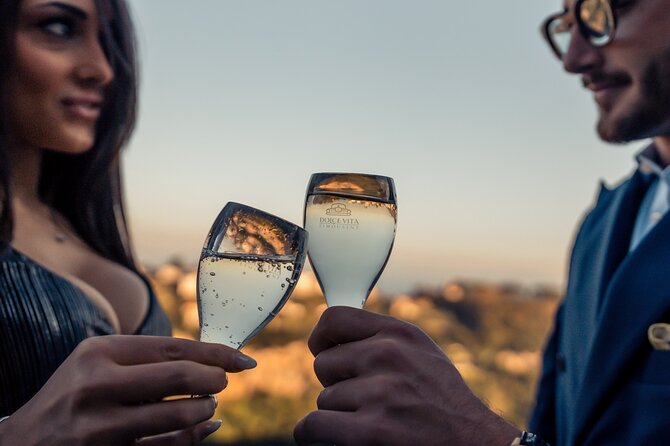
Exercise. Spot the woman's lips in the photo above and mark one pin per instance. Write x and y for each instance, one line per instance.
(86, 108)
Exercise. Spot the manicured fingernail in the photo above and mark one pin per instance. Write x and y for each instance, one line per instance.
(216, 401)
(212, 427)
(245, 362)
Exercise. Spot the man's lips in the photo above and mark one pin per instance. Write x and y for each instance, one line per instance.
(87, 107)
(604, 88)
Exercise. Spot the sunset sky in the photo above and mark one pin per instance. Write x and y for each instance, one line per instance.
(492, 147)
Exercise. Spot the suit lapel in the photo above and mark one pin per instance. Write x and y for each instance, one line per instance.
(620, 217)
(636, 293)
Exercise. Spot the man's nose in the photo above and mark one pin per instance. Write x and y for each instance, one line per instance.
(581, 56)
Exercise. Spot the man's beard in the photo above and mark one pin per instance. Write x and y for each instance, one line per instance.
(650, 115)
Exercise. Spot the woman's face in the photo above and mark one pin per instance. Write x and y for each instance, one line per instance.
(56, 89)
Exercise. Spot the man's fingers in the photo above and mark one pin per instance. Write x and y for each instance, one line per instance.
(356, 393)
(372, 356)
(335, 365)
(131, 350)
(340, 325)
(325, 427)
(147, 382)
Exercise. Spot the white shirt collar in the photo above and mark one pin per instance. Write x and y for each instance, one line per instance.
(647, 160)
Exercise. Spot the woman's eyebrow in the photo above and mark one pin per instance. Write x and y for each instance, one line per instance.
(66, 7)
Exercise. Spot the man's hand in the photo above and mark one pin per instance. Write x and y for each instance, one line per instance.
(386, 382)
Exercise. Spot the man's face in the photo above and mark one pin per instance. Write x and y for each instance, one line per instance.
(629, 77)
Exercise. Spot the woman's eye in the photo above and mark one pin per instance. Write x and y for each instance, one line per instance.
(58, 27)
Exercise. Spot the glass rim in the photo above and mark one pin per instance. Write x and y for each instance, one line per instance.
(318, 185)
(297, 234)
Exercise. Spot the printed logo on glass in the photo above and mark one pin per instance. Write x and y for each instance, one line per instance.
(338, 210)
(339, 217)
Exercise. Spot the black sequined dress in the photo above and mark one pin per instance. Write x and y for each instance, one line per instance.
(42, 319)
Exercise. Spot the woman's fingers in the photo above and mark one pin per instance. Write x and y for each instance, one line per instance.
(148, 382)
(132, 350)
(102, 391)
(183, 437)
(158, 418)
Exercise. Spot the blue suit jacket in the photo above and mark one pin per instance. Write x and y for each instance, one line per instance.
(602, 383)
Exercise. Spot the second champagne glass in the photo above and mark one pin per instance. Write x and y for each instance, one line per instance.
(248, 268)
(351, 220)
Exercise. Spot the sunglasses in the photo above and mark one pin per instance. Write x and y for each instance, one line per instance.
(595, 21)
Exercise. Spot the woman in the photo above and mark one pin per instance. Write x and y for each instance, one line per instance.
(67, 105)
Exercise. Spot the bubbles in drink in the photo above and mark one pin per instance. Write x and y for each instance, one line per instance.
(249, 284)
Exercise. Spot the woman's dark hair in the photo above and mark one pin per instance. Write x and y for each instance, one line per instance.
(84, 188)
(9, 12)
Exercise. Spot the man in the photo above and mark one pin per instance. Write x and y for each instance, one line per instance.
(606, 375)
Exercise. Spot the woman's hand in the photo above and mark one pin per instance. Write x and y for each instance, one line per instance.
(110, 391)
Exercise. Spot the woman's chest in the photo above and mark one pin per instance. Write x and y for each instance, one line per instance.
(120, 294)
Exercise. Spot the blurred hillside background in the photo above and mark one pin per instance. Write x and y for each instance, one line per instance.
(492, 333)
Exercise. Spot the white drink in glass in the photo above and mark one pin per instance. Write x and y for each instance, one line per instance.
(238, 293)
(350, 240)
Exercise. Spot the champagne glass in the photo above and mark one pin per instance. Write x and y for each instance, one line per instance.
(249, 265)
(351, 220)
